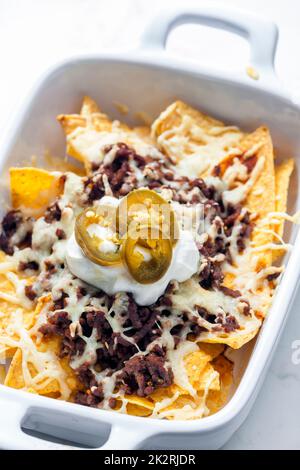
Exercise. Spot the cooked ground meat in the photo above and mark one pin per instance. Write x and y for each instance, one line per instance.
(72, 346)
(93, 394)
(30, 293)
(53, 213)
(250, 163)
(141, 375)
(230, 292)
(32, 265)
(60, 303)
(230, 324)
(57, 324)
(60, 234)
(157, 173)
(11, 222)
(233, 212)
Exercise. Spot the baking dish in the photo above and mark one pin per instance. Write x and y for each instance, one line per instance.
(147, 80)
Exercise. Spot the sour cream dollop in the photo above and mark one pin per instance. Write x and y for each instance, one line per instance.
(114, 279)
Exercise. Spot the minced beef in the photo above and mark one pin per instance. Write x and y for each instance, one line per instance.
(53, 213)
(9, 227)
(30, 293)
(141, 375)
(31, 265)
(57, 324)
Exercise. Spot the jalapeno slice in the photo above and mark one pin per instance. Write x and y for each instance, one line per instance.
(90, 243)
(147, 255)
(146, 207)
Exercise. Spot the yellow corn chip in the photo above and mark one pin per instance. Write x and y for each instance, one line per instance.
(46, 386)
(2, 373)
(196, 141)
(89, 107)
(70, 123)
(199, 370)
(201, 375)
(217, 399)
(212, 350)
(283, 174)
(84, 131)
(139, 401)
(92, 130)
(235, 339)
(8, 309)
(172, 118)
(15, 377)
(137, 410)
(165, 392)
(261, 199)
(181, 403)
(33, 189)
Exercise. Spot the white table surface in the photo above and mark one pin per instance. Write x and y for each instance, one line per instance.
(35, 34)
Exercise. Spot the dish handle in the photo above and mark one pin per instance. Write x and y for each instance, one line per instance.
(13, 436)
(261, 34)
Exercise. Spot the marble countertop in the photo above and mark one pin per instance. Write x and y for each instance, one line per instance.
(35, 34)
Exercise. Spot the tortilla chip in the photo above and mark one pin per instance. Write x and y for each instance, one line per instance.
(33, 189)
(88, 131)
(15, 377)
(172, 118)
(196, 141)
(199, 370)
(139, 401)
(136, 406)
(165, 392)
(217, 399)
(2, 373)
(182, 402)
(235, 340)
(212, 350)
(261, 199)
(70, 123)
(137, 410)
(90, 116)
(51, 388)
(8, 311)
(89, 107)
(283, 174)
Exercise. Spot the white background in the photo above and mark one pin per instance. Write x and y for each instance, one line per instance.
(34, 34)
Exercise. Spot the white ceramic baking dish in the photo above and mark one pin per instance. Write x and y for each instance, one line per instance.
(147, 80)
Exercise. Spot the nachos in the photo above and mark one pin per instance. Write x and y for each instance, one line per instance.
(124, 287)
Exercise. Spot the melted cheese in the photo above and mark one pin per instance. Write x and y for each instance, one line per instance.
(239, 194)
(176, 359)
(197, 150)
